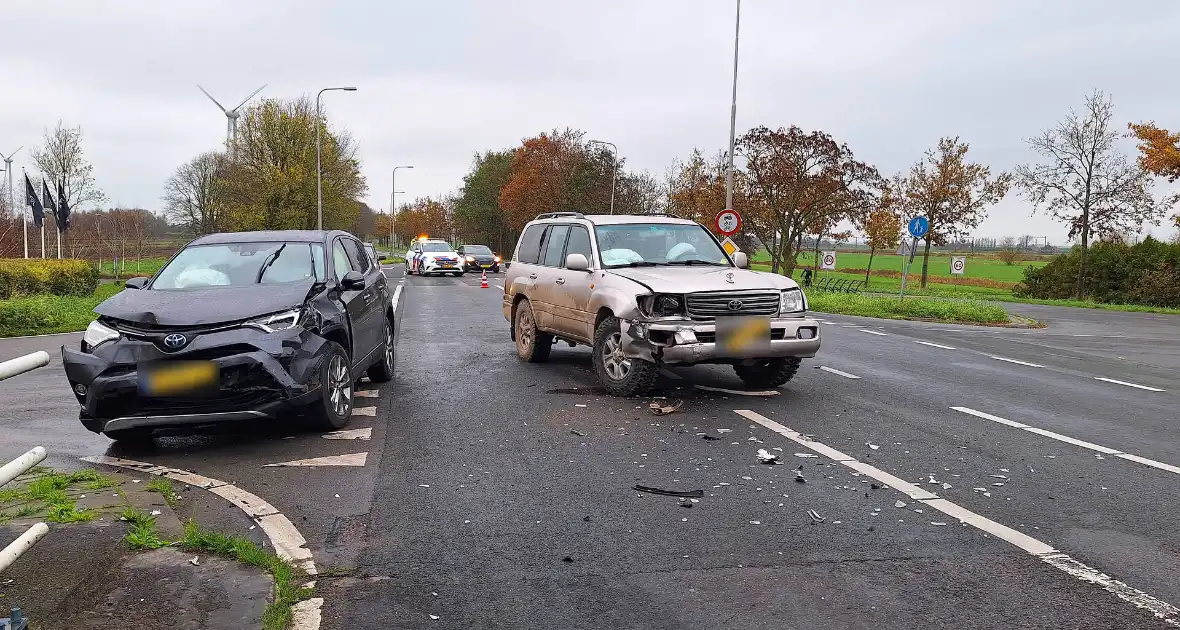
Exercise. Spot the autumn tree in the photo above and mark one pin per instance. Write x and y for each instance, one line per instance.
(800, 182)
(697, 187)
(478, 217)
(424, 215)
(62, 162)
(882, 226)
(1159, 154)
(952, 193)
(271, 181)
(193, 195)
(1085, 181)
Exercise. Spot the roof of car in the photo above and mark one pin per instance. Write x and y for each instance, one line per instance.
(620, 219)
(269, 236)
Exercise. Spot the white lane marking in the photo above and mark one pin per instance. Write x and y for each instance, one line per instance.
(1076, 442)
(350, 434)
(936, 345)
(397, 294)
(835, 371)
(1042, 551)
(368, 393)
(288, 543)
(1036, 365)
(738, 392)
(1111, 380)
(1083, 335)
(852, 325)
(348, 459)
(364, 411)
(873, 332)
(305, 615)
(499, 286)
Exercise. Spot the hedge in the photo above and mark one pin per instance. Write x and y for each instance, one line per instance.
(46, 276)
(1146, 273)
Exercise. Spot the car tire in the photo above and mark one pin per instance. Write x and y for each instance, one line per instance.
(330, 412)
(532, 345)
(618, 375)
(382, 370)
(769, 373)
(137, 435)
(459, 274)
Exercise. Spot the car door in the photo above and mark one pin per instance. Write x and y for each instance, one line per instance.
(354, 304)
(522, 277)
(547, 288)
(571, 294)
(371, 329)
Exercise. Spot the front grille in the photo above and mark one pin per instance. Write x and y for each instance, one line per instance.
(708, 305)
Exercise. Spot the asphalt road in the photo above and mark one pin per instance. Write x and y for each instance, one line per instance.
(497, 494)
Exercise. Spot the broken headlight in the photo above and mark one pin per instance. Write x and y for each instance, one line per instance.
(277, 321)
(97, 333)
(662, 305)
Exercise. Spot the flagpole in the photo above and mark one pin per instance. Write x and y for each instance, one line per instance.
(43, 239)
(59, 242)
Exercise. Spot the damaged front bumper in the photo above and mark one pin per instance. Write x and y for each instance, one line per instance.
(687, 342)
(260, 376)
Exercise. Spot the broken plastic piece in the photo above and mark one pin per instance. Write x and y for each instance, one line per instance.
(196, 561)
(670, 493)
(815, 517)
(663, 410)
(899, 504)
(806, 455)
(577, 432)
(706, 436)
(766, 457)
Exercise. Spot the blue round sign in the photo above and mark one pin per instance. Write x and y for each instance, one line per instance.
(919, 226)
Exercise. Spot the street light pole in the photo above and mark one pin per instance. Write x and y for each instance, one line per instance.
(319, 187)
(614, 170)
(733, 111)
(392, 206)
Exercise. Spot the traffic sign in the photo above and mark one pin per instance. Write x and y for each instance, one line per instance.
(728, 245)
(919, 226)
(829, 260)
(958, 264)
(728, 222)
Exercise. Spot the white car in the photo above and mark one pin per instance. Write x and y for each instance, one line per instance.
(433, 256)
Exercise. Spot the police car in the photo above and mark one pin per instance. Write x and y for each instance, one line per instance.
(430, 256)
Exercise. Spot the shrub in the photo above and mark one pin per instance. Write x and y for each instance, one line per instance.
(19, 277)
(1145, 273)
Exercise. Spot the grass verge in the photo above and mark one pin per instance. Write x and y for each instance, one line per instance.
(46, 314)
(141, 530)
(957, 311)
(163, 486)
(47, 492)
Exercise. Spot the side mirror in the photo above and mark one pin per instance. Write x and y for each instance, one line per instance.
(136, 283)
(741, 260)
(353, 281)
(577, 262)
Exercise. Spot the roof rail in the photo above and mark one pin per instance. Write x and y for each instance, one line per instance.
(662, 214)
(557, 215)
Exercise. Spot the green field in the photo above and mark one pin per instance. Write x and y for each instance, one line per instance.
(977, 266)
(131, 267)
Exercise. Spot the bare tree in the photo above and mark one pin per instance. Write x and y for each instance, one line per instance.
(1009, 250)
(192, 196)
(1086, 181)
(62, 162)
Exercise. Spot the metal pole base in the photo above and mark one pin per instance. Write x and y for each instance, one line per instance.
(16, 622)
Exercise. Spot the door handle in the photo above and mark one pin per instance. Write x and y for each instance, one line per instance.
(532, 276)
(560, 281)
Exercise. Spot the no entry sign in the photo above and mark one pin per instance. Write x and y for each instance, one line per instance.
(728, 222)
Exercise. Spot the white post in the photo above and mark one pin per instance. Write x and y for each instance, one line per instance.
(59, 242)
(20, 365)
(22, 544)
(18, 466)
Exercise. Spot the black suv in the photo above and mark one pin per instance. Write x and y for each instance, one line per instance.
(478, 258)
(237, 326)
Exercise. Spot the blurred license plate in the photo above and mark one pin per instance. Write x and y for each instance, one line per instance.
(448, 266)
(743, 336)
(179, 378)
(486, 266)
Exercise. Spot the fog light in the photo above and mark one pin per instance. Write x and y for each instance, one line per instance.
(806, 333)
(80, 389)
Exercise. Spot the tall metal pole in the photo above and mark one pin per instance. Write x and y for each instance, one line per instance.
(733, 110)
(319, 187)
(24, 215)
(614, 170)
(393, 203)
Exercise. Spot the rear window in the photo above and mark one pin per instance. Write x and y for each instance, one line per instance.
(530, 244)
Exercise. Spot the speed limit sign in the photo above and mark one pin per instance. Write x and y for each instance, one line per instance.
(829, 260)
(728, 222)
(958, 263)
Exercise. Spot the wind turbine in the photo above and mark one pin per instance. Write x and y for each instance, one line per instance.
(231, 115)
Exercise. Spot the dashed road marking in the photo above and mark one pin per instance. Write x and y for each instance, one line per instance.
(1042, 551)
(350, 434)
(499, 286)
(364, 411)
(835, 371)
(936, 345)
(397, 294)
(1036, 365)
(1111, 380)
(1106, 450)
(348, 459)
(874, 332)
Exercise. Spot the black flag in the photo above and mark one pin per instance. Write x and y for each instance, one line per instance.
(63, 210)
(33, 202)
(47, 198)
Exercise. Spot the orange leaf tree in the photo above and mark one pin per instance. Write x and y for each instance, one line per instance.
(882, 226)
(1159, 154)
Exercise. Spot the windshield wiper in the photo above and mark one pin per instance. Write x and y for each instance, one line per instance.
(636, 263)
(268, 262)
(696, 261)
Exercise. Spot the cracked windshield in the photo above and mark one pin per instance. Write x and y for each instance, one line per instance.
(628, 314)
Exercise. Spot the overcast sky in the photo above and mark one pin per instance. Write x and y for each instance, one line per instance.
(441, 80)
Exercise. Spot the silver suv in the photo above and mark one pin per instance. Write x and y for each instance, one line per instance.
(646, 290)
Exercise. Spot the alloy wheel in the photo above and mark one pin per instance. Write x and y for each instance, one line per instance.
(617, 365)
(524, 329)
(339, 385)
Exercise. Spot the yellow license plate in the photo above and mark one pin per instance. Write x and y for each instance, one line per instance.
(179, 378)
(743, 336)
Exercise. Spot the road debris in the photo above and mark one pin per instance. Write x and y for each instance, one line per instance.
(873, 446)
(815, 517)
(196, 561)
(663, 410)
(577, 432)
(706, 436)
(938, 523)
(899, 504)
(686, 503)
(434, 617)
(946, 486)
(998, 476)
(807, 455)
(723, 430)
(799, 475)
(875, 486)
(755, 522)
(567, 559)
(670, 493)
(737, 392)
(766, 457)
(579, 405)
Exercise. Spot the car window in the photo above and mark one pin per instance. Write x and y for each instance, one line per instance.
(555, 245)
(340, 262)
(530, 244)
(435, 247)
(317, 260)
(360, 260)
(236, 264)
(579, 243)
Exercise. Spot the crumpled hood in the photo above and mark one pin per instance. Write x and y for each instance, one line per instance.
(689, 279)
(204, 306)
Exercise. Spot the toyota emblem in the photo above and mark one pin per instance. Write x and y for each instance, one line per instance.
(735, 305)
(175, 341)
(729, 277)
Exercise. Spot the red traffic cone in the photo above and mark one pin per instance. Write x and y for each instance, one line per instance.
(483, 280)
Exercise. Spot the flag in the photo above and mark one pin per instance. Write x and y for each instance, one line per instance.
(33, 202)
(63, 210)
(47, 198)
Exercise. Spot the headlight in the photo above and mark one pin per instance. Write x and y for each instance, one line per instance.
(792, 302)
(662, 304)
(276, 322)
(470, 259)
(97, 334)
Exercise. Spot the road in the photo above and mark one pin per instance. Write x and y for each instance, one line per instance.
(498, 494)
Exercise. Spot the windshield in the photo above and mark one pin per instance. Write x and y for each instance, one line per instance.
(237, 264)
(642, 244)
(481, 250)
(436, 247)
